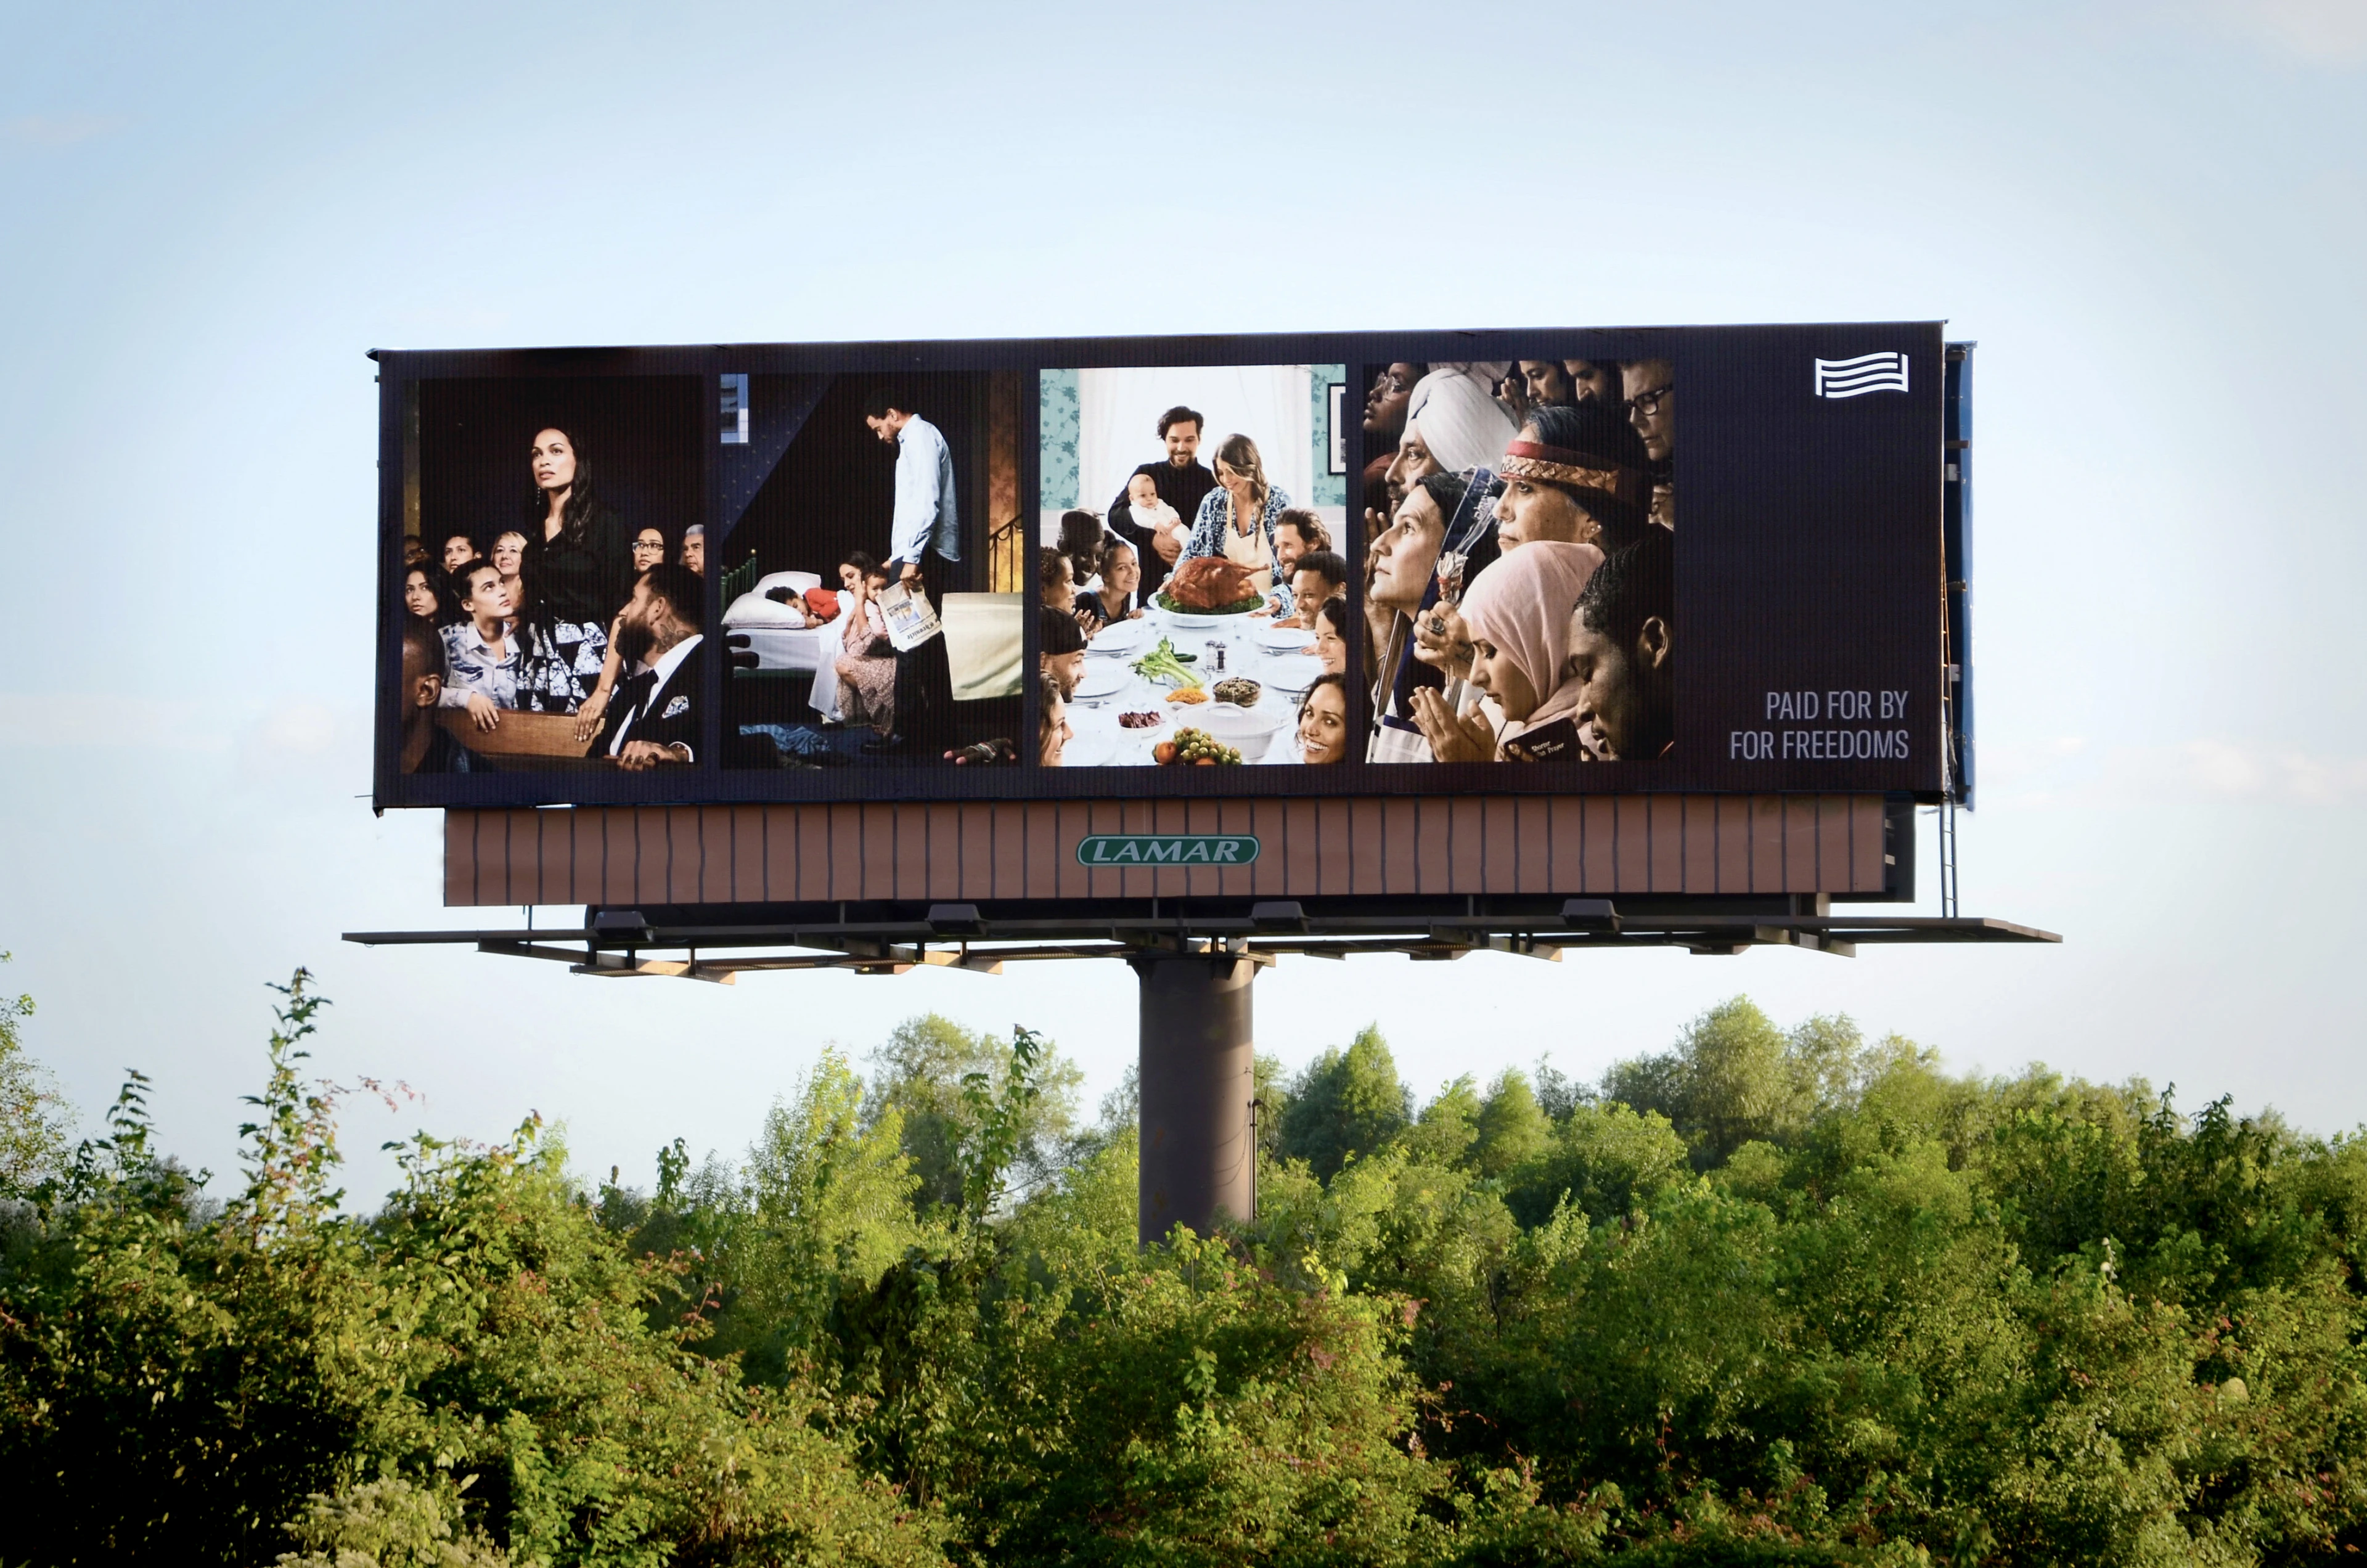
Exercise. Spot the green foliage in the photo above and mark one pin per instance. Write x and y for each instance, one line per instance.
(1344, 1104)
(33, 1118)
(1776, 1296)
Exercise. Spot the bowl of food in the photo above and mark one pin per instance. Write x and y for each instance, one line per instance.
(1249, 730)
(1237, 690)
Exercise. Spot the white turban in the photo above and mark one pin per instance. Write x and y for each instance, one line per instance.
(1455, 409)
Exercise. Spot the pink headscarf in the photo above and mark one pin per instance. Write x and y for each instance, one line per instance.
(1522, 604)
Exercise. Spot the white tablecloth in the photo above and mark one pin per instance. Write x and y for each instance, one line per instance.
(1243, 657)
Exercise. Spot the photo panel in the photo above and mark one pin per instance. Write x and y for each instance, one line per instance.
(1519, 517)
(873, 615)
(548, 554)
(1192, 594)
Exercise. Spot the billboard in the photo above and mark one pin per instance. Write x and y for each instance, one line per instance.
(1350, 565)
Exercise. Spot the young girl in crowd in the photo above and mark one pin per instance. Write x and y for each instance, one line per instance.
(481, 655)
(1121, 576)
(1056, 581)
(649, 548)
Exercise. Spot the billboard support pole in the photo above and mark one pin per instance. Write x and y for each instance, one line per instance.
(1198, 1081)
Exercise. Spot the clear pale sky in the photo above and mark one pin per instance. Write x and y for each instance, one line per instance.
(2152, 216)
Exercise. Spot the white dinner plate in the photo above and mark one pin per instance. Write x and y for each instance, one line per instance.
(1103, 679)
(1292, 674)
(1119, 637)
(1285, 639)
(1089, 749)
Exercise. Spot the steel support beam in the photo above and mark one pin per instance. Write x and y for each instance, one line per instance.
(1198, 1079)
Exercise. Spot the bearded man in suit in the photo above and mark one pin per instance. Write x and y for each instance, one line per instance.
(655, 719)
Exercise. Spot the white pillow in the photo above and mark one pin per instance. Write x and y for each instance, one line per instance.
(797, 580)
(753, 609)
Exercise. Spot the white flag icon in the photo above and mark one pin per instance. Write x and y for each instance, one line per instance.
(1867, 373)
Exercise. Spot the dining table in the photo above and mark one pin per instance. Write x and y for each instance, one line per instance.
(1281, 660)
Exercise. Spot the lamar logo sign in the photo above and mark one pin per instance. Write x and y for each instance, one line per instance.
(1167, 849)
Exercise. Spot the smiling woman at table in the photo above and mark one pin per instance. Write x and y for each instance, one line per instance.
(1237, 518)
(1053, 734)
(1323, 721)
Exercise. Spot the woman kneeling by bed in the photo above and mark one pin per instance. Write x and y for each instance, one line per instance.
(867, 659)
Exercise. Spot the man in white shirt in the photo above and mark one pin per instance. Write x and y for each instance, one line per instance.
(926, 514)
(655, 718)
(926, 521)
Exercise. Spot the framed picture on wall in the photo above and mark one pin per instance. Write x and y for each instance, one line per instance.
(1339, 430)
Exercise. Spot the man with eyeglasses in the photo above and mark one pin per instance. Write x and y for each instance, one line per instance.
(1651, 389)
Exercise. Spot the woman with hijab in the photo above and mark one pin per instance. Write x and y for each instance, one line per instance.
(1237, 518)
(1576, 475)
(1517, 614)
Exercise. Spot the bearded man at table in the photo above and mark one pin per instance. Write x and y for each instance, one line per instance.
(655, 718)
(1183, 482)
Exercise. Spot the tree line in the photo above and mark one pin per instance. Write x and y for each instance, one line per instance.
(1770, 1295)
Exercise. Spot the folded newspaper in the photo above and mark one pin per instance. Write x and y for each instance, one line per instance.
(912, 623)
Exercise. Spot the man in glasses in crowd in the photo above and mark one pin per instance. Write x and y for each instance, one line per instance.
(1651, 389)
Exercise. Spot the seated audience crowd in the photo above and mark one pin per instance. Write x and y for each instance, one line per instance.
(554, 616)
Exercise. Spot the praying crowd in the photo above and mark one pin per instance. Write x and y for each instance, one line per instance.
(1520, 547)
(569, 611)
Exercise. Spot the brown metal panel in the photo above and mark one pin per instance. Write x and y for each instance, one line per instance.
(675, 837)
(1565, 842)
(1733, 844)
(1833, 844)
(716, 853)
(1042, 850)
(1238, 817)
(941, 872)
(804, 834)
(1599, 817)
(1766, 844)
(1700, 843)
(846, 851)
(975, 864)
(1467, 842)
(1434, 843)
(1102, 817)
(1298, 857)
(1667, 813)
(1365, 845)
(1633, 815)
(1499, 844)
(1867, 872)
(1010, 849)
(1799, 843)
(459, 858)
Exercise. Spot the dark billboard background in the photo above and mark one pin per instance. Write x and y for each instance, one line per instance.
(1807, 563)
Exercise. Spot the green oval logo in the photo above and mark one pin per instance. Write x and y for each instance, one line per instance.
(1114, 852)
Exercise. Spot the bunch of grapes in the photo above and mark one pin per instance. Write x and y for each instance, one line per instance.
(1194, 746)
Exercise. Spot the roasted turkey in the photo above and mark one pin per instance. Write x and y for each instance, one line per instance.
(1209, 582)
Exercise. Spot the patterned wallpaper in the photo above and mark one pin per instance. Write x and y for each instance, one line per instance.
(1057, 421)
(1331, 489)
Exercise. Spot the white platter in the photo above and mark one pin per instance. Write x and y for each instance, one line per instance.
(1291, 674)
